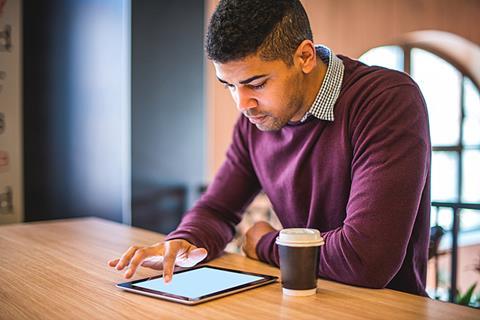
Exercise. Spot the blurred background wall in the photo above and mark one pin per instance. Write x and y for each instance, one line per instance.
(168, 114)
(76, 89)
(113, 106)
(11, 147)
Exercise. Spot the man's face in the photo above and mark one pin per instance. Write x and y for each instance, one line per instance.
(268, 93)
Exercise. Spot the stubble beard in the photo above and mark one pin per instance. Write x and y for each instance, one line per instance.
(273, 123)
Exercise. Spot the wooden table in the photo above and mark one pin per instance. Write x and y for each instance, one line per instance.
(58, 270)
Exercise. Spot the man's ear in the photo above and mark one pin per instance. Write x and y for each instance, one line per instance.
(305, 56)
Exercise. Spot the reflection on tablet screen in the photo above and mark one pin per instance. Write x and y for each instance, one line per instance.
(198, 282)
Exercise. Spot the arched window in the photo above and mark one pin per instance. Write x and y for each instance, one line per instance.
(447, 69)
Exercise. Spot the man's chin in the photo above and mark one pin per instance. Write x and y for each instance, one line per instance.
(264, 128)
(269, 126)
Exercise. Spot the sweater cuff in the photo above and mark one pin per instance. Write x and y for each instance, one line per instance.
(184, 236)
(267, 250)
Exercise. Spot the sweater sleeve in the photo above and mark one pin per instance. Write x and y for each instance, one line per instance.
(211, 222)
(390, 167)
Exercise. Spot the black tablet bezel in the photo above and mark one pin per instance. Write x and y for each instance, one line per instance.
(130, 286)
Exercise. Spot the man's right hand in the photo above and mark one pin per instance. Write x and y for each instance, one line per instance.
(160, 256)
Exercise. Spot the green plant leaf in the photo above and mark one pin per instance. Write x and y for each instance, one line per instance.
(465, 298)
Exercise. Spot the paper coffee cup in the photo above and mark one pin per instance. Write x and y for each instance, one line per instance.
(298, 252)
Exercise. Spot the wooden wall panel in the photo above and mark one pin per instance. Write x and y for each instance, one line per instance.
(352, 27)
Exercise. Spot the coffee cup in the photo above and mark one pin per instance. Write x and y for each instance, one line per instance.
(298, 250)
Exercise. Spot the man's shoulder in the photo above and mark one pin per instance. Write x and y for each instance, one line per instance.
(376, 78)
(361, 80)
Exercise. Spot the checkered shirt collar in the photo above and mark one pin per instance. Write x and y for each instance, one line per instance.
(322, 107)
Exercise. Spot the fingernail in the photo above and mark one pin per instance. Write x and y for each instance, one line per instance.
(168, 278)
(128, 274)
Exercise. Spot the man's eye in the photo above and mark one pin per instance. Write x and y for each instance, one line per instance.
(259, 86)
(228, 86)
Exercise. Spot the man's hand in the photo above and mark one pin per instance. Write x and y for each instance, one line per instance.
(253, 235)
(160, 256)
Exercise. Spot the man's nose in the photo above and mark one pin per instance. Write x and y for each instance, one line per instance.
(244, 100)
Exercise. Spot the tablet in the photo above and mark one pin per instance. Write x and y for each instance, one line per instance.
(198, 284)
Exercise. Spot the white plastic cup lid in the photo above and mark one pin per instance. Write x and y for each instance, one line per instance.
(300, 237)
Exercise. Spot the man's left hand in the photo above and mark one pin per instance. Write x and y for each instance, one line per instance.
(253, 236)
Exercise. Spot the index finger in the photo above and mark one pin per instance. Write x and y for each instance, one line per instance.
(169, 258)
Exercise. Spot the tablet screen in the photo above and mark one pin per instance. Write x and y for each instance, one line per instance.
(199, 282)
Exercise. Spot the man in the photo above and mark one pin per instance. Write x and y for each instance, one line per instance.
(336, 145)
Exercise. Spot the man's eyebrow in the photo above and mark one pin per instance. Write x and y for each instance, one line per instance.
(246, 81)
(222, 81)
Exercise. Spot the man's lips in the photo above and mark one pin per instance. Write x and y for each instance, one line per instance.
(257, 119)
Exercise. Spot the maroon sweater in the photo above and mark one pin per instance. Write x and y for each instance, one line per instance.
(363, 180)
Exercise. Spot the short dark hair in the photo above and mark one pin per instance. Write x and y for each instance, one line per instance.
(272, 28)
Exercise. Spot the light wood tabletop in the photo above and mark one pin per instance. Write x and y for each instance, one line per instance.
(58, 270)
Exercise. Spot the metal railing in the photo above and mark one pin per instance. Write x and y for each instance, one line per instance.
(456, 210)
